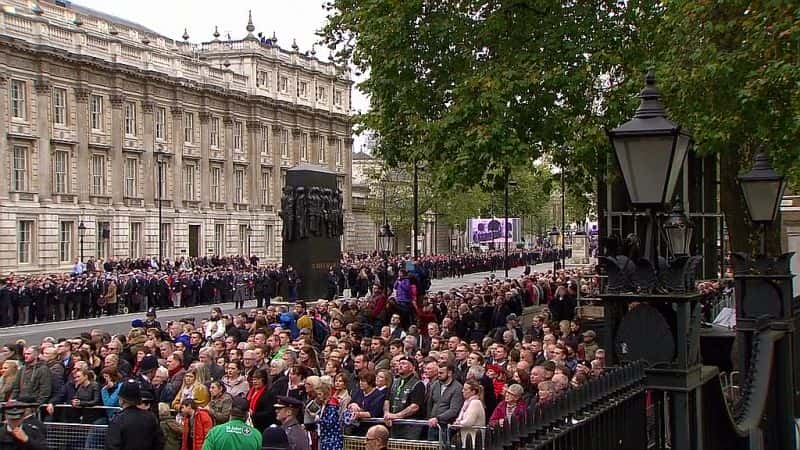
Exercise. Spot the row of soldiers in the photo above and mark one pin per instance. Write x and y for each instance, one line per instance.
(55, 297)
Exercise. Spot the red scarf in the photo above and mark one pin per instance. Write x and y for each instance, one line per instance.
(253, 395)
(173, 372)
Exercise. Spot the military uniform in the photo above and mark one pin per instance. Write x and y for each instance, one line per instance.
(134, 429)
(34, 430)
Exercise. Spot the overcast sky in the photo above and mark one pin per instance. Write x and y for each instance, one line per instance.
(289, 19)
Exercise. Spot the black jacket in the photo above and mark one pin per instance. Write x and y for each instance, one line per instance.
(134, 429)
(37, 436)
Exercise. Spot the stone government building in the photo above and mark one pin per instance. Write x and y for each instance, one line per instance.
(87, 103)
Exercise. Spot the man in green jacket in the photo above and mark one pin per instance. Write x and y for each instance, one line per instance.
(234, 434)
(34, 380)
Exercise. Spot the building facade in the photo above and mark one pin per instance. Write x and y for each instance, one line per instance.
(116, 142)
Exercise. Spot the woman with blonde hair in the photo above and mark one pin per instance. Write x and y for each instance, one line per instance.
(472, 413)
(192, 388)
(8, 372)
(329, 417)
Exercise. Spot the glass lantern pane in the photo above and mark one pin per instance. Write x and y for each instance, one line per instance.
(682, 143)
(762, 198)
(644, 162)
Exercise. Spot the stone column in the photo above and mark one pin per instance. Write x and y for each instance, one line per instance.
(313, 147)
(294, 145)
(44, 184)
(254, 159)
(347, 167)
(205, 169)
(82, 123)
(148, 162)
(228, 130)
(177, 156)
(4, 150)
(332, 143)
(277, 160)
(117, 156)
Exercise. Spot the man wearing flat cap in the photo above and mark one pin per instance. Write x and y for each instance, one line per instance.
(22, 429)
(287, 409)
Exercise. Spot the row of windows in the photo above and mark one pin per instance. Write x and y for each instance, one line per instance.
(67, 239)
(264, 81)
(19, 110)
(20, 177)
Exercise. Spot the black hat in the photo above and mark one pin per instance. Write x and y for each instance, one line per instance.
(16, 409)
(149, 362)
(239, 407)
(130, 391)
(151, 312)
(274, 438)
(287, 402)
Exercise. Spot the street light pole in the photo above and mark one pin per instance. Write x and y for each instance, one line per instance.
(81, 233)
(415, 193)
(160, 195)
(249, 236)
(563, 216)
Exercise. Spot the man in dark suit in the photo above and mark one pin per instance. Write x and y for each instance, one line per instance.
(444, 402)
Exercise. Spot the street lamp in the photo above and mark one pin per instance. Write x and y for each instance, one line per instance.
(506, 223)
(763, 189)
(553, 237)
(81, 233)
(650, 150)
(678, 230)
(159, 174)
(386, 239)
(249, 235)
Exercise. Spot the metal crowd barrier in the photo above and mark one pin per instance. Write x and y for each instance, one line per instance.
(67, 431)
(360, 442)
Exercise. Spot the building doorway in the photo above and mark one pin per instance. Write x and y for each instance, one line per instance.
(194, 241)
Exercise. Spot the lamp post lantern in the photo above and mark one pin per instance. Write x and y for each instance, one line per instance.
(81, 234)
(386, 239)
(553, 236)
(678, 230)
(650, 150)
(763, 190)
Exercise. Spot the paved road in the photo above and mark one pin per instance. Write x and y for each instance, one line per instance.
(122, 323)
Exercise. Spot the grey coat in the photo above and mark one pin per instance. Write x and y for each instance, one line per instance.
(445, 406)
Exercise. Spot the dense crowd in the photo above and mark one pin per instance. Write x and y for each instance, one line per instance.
(303, 376)
(107, 287)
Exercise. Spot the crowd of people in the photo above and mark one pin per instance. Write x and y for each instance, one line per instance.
(102, 287)
(302, 376)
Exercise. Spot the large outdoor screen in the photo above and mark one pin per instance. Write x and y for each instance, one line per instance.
(492, 230)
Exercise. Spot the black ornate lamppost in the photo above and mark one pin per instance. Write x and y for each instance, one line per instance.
(159, 179)
(766, 324)
(553, 234)
(663, 328)
(81, 234)
(386, 239)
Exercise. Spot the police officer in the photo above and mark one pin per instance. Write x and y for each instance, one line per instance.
(287, 410)
(22, 429)
(234, 434)
(133, 428)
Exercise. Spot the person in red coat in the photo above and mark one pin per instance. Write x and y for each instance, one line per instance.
(511, 408)
(196, 422)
